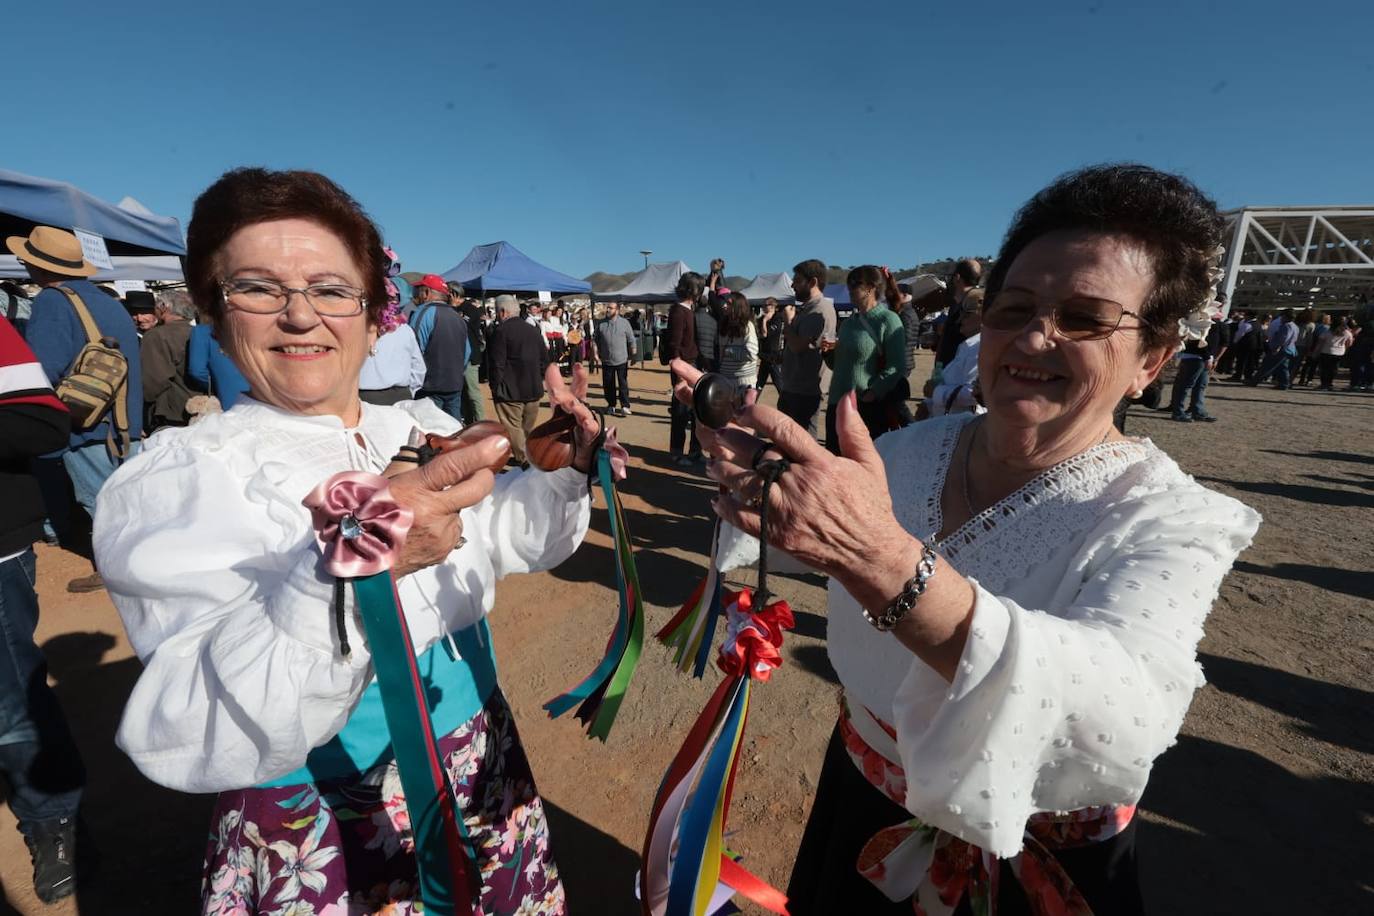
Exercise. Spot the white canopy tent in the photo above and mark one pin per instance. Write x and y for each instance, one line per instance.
(778, 286)
(655, 283)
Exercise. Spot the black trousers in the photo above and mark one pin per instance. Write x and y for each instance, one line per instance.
(848, 811)
(683, 423)
(615, 380)
(801, 408)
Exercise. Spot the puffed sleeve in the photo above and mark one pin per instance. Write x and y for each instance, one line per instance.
(223, 601)
(533, 520)
(1065, 707)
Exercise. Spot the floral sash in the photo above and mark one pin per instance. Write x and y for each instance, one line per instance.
(934, 869)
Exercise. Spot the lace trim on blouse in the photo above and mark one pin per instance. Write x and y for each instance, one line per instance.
(1076, 486)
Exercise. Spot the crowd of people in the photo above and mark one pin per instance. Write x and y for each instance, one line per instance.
(1016, 597)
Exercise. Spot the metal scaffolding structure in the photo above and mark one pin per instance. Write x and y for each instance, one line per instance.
(1300, 257)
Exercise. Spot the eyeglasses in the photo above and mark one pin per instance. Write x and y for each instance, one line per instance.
(1080, 319)
(268, 297)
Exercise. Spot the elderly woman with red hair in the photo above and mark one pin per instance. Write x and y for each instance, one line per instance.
(211, 559)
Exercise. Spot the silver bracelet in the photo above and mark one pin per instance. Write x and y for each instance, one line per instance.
(911, 593)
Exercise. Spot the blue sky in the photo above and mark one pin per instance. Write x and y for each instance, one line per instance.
(763, 132)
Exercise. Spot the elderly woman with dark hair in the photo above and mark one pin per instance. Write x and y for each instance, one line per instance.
(211, 559)
(1016, 598)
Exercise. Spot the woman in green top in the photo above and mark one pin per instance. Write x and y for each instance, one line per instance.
(869, 355)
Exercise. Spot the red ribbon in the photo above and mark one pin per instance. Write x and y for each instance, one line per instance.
(752, 638)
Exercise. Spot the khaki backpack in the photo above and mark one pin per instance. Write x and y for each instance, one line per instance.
(97, 381)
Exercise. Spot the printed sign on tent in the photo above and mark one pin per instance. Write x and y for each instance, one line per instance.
(93, 249)
(545, 296)
(125, 286)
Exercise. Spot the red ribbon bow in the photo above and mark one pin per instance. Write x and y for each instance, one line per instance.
(358, 524)
(752, 638)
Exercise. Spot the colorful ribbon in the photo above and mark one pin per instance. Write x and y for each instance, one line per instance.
(692, 630)
(685, 869)
(361, 530)
(600, 694)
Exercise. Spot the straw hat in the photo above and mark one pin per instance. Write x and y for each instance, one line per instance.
(53, 250)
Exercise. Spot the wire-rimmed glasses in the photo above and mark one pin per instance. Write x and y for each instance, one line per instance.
(267, 297)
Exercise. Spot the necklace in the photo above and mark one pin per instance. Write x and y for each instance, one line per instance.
(968, 455)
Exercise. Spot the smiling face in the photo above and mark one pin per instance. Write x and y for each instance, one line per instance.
(296, 360)
(1034, 377)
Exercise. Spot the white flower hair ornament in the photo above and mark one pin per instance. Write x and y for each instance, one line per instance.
(1195, 325)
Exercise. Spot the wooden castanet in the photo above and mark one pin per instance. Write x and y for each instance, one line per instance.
(471, 435)
(550, 444)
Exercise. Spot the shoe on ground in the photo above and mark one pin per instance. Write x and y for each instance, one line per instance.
(1181, 418)
(625, 412)
(52, 846)
(684, 461)
(1204, 418)
(615, 412)
(83, 584)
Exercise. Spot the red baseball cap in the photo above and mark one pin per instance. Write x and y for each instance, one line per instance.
(434, 282)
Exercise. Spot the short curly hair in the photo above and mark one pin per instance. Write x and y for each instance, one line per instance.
(1176, 223)
(246, 196)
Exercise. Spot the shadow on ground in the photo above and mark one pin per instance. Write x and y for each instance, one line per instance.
(1246, 825)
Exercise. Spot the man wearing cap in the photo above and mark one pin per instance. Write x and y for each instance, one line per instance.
(473, 409)
(443, 337)
(54, 260)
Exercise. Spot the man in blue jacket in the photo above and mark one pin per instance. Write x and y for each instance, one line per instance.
(53, 259)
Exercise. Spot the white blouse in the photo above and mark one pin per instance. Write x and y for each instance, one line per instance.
(1092, 584)
(211, 560)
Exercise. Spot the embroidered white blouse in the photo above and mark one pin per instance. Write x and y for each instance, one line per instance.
(211, 560)
(1092, 584)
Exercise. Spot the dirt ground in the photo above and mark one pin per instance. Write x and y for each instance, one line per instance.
(1265, 805)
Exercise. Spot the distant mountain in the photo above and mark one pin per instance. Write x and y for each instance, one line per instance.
(603, 282)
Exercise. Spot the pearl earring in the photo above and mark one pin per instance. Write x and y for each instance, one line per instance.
(372, 350)
(1135, 395)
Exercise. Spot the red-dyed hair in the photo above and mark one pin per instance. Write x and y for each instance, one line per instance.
(244, 197)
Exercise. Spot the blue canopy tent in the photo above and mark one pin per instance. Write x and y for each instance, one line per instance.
(839, 294)
(500, 267)
(141, 246)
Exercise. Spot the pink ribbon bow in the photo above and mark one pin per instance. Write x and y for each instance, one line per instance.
(359, 526)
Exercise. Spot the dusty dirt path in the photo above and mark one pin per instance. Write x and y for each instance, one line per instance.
(1264, 806)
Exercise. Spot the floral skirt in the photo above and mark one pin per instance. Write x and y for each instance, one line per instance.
(345, 848)
(848, 810)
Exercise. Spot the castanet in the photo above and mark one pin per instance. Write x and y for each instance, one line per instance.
(470, 435)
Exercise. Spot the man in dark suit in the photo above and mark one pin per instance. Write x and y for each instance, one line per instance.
(516, 358)
(681, 343)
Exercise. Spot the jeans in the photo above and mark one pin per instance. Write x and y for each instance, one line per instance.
(450, 402)
(1277, 365)
(37, 754)
(770, 371)
(474, 410)
(1361, 371)
(683, 423)
(616, 382)
(801, 408)
(1190, 383)
(89, 467)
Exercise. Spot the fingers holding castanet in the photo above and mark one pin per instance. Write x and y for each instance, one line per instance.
(580, 381)
(454, 467)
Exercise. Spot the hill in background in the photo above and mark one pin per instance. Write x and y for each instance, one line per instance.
(603, 282)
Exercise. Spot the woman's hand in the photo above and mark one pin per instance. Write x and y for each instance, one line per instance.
(436, 493)
(572, 401)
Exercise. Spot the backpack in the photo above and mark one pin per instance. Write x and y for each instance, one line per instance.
(96, 382)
